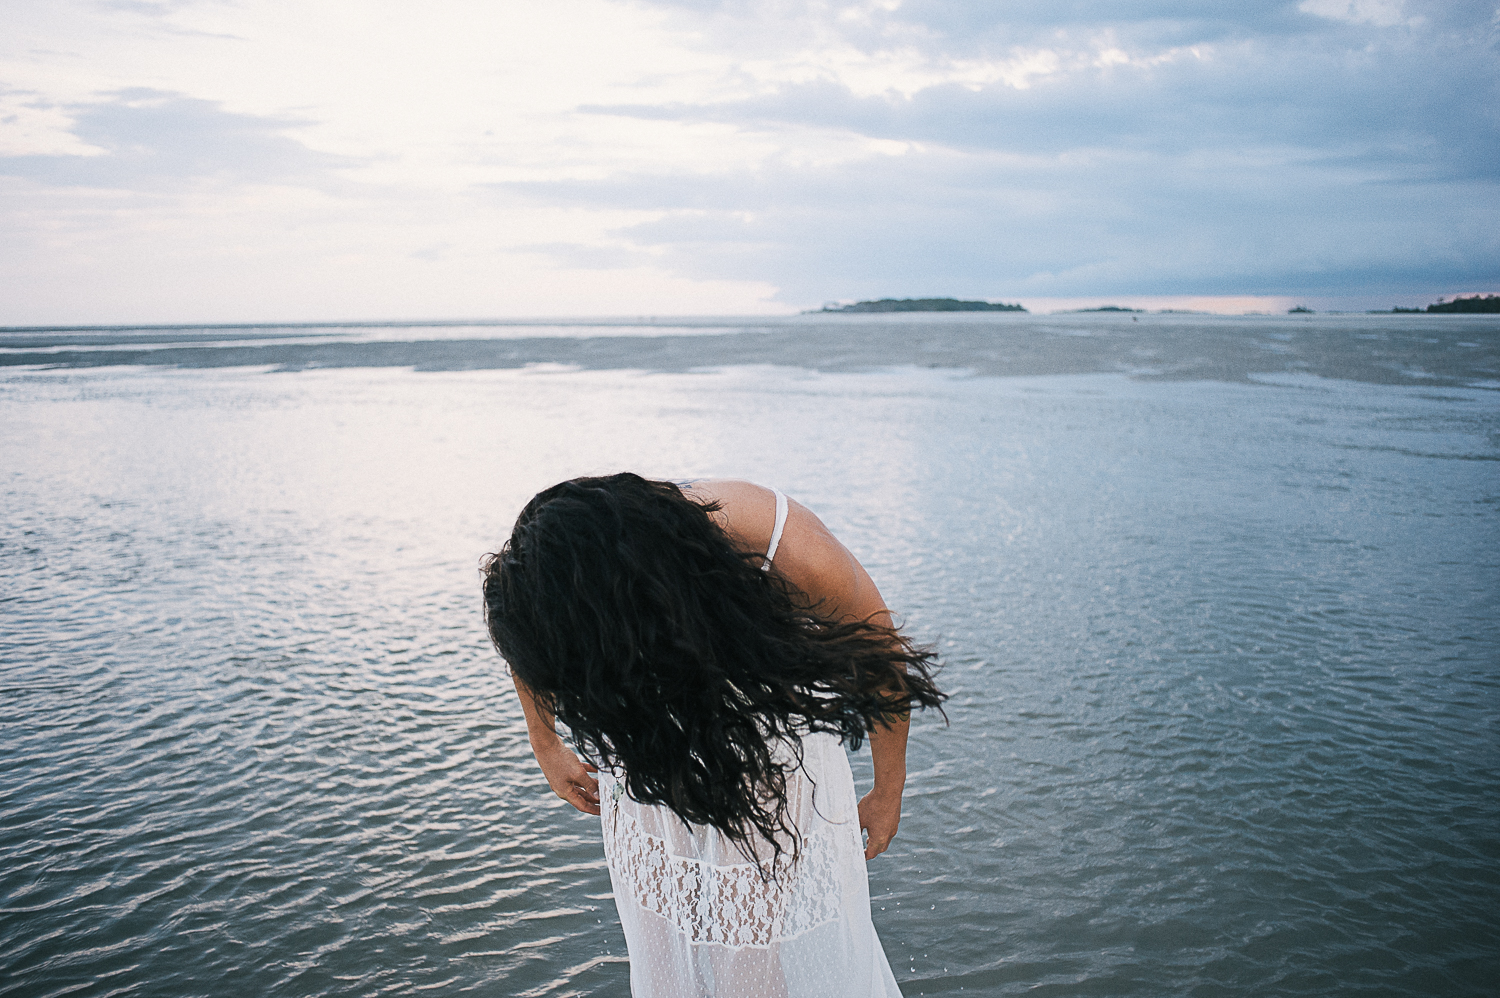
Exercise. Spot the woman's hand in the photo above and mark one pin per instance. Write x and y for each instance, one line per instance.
(879, 815)
(569, 777)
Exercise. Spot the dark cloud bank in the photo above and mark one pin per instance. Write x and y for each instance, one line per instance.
(1298, 155)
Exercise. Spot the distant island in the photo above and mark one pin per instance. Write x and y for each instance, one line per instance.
(923, 305)
(1472, 305)
(1102, 308)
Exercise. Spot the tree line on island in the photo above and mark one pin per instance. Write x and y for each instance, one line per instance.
(956, 305)
(1471, 305)
(922, 305)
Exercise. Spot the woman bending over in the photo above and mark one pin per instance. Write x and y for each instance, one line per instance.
(712, 649)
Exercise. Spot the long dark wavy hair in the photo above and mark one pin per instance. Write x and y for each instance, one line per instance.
(671, 655)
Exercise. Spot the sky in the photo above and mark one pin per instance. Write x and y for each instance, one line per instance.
(180, 161)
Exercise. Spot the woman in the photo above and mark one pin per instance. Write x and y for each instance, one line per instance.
(709, 648)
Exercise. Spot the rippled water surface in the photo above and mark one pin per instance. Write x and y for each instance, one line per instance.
(1225, 656)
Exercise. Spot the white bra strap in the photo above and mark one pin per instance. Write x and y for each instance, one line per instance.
(776, 532)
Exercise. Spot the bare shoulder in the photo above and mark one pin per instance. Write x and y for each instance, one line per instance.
(808, 555)
(747, 512)
(818, 564)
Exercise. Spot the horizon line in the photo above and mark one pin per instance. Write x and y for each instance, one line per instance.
(621, 319)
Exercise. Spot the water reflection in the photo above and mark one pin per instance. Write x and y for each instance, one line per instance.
(1221, 655)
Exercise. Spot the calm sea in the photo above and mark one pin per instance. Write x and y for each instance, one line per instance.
(1219, 601)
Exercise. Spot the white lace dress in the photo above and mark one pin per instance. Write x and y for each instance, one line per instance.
(700, 919)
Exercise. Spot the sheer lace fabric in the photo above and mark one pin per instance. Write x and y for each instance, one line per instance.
(701, 920)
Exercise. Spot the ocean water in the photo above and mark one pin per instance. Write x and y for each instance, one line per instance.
(1219, 601)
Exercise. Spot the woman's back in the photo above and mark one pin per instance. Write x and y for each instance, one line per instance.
(701, 919)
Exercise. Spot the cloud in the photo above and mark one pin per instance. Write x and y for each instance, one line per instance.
(1326, 156)
(143, 139)
(146, 8)
(945, 31)
(1317, 88)
(1383, 13)
(952, 27)
(617, 256)
(498, 156)
(940, 222)
(1237, 99)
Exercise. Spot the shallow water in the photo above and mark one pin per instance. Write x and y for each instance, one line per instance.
(1223, 655)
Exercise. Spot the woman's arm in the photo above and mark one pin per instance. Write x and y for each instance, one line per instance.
(813, 560)
(569, 778)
